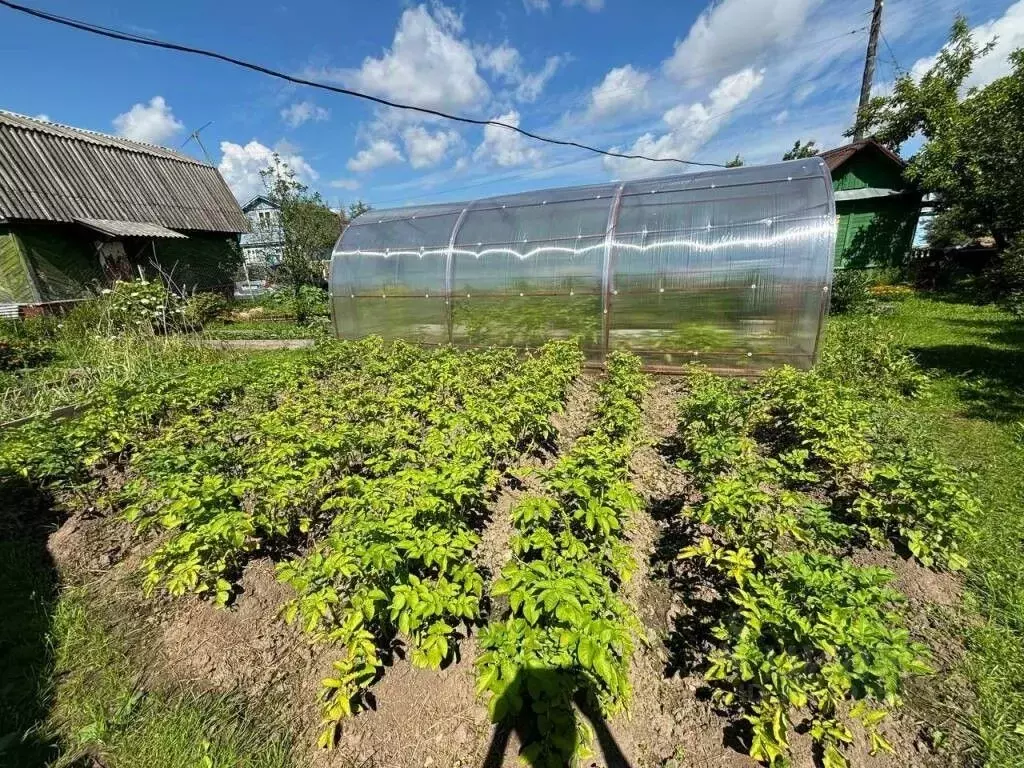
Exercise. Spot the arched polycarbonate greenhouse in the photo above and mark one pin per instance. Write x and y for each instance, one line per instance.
(732, 268)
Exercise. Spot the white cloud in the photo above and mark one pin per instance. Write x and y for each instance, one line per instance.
(43, 116)
(426, 149)
(241, 165)
(544, 5)
(622, 88)
(505, 147)
(781, 117)
(730, 34)
(427, 65)
(1008, 33)
(803, 92)
(506, 64)
(502, 60)
(380, 152)
(344, 184)
(303, 111)
(690, 126)
(532, 85)
(153, 122)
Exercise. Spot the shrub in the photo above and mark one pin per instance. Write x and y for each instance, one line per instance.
(869, 358)
(204, 308)
(142, 305)
(849, 291)
(25, 343)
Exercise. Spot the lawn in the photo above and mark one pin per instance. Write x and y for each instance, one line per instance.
(972, 413)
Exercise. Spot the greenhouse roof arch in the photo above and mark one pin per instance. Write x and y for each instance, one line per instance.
(732, 268)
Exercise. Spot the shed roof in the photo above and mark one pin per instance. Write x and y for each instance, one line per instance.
(53, 172)
(129, 229)
(835, 158)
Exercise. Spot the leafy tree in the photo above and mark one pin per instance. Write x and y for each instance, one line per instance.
(974, 138)
(736, 162)
(309, 228)
(357, 208)
(801, 150)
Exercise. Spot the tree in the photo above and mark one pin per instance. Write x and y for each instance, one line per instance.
(357, 208)
(736, 162)
(800, 150)
(309, 227)
(973, 138)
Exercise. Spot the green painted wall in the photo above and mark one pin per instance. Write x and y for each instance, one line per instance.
(877, 232)
(42, 261)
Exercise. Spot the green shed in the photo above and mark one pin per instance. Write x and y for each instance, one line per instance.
(79, 209)
(876, 206)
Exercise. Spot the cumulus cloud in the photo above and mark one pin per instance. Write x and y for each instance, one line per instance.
(380, 152)
(426, 149)
(622, 88)
(428, 64)
(1008, 33)
(303, 111)
(43, 116)
(504, 147)
(690, 126)
(502, 60)
(506, 64)
(240, 165)
(731, 34)
(153, 122)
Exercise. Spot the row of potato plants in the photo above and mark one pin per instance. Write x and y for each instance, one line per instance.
(794, 472)
(396, 559)
(227, 482)
(566, 632)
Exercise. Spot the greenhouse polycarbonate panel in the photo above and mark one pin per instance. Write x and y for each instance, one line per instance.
(729, 267)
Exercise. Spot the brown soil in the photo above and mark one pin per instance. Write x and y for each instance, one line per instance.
(428, 718)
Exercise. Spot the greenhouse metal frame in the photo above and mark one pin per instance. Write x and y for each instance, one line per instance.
(731, 268)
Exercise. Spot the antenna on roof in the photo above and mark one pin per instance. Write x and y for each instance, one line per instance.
(195, 135)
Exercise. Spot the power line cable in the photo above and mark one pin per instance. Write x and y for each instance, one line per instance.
(892, 56)
(155, 43)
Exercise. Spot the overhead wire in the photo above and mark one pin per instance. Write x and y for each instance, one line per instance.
(129, 37)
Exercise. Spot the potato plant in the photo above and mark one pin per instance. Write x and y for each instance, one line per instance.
(566, 631)
(396, 562)
(793, 472)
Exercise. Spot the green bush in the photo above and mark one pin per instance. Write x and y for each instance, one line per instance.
(869, 358)
(142, 305)
(25, 343)
(204, 308)
(850, 291)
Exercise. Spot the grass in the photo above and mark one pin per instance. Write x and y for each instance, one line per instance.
(265, 329)
(73, 694)
(971, 413)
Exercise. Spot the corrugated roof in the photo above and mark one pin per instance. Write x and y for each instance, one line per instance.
(130, 229)
(53, 172)
(834, 158)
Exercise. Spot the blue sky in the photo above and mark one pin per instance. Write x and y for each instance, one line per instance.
(661, 77)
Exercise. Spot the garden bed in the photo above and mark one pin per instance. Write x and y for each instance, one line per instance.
(355, 533)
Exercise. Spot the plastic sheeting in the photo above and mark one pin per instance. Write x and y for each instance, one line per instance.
(732, 268)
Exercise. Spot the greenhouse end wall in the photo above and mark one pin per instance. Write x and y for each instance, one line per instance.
(731, 268)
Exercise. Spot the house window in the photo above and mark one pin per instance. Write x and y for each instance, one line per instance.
(265, 218)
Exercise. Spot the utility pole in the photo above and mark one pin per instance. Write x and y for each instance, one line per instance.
(869, 67)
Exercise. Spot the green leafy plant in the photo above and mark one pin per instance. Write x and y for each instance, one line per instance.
(567, 633)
